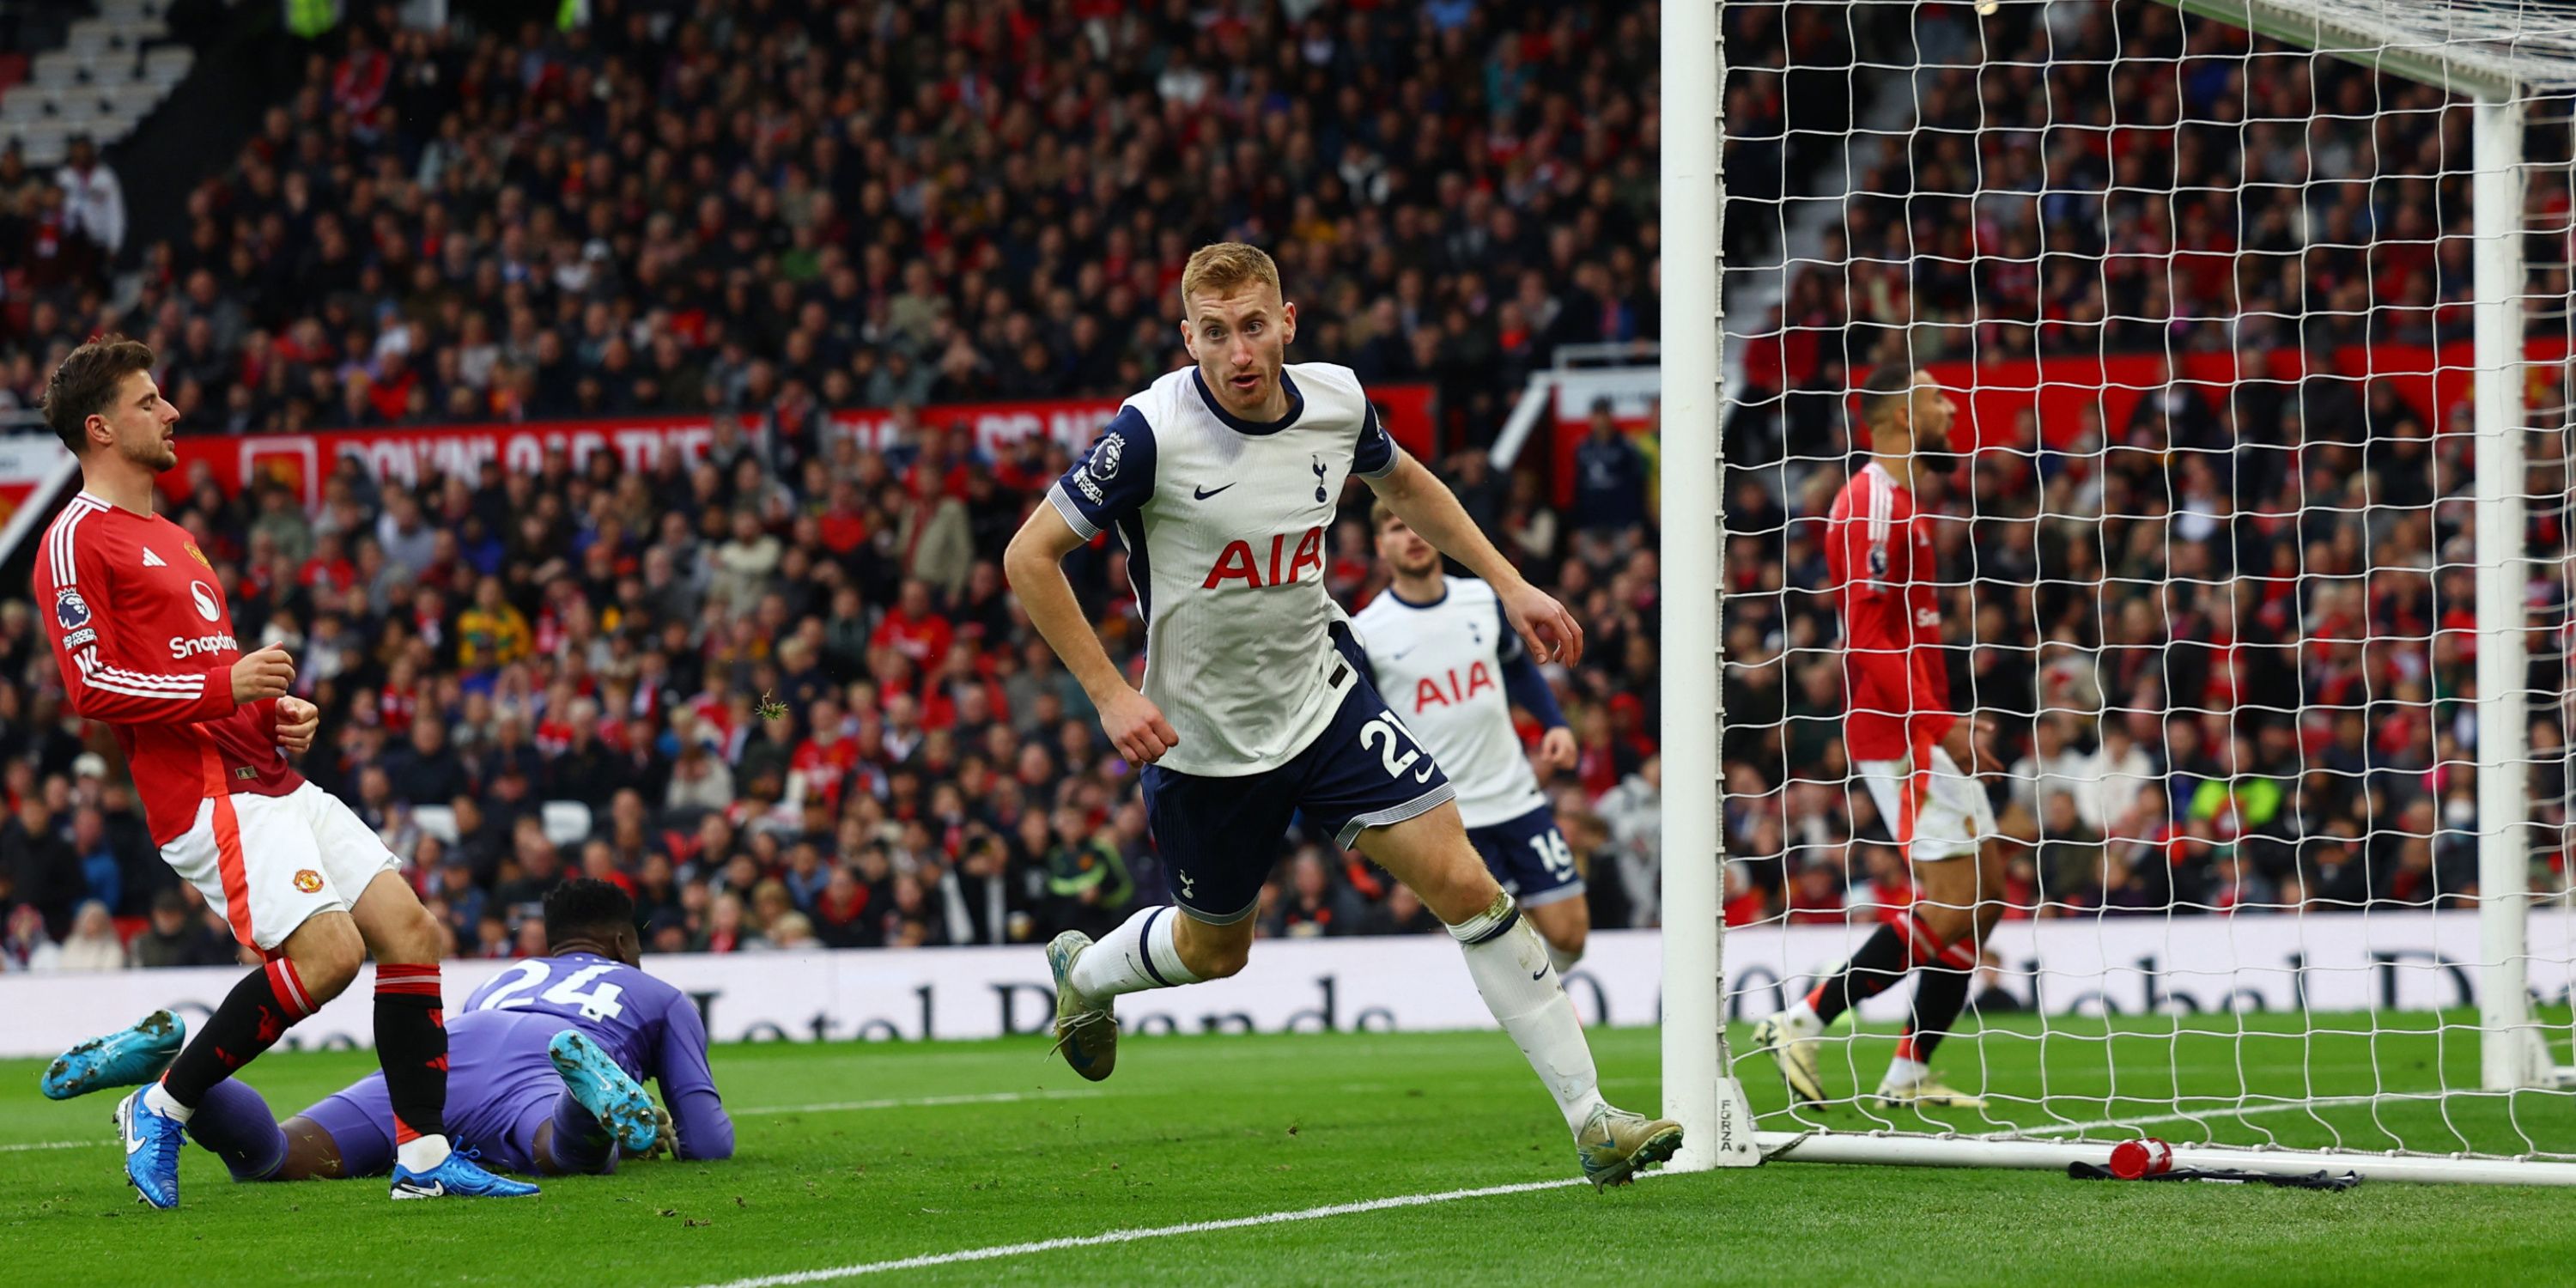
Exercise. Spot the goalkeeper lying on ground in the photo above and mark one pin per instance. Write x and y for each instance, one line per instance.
(546, 1064)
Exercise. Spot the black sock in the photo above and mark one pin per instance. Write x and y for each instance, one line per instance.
(251, 1019)
(1939, 995)
(411, 1044)
(1881, 961)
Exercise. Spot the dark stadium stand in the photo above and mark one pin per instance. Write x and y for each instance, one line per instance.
(764, 210)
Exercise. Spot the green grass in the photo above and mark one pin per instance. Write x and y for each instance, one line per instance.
(1211, 1128)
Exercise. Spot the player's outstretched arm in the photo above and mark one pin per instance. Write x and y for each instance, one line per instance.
(1428, 507)
(1035, 565)
(698, 1114)
(1527, 688)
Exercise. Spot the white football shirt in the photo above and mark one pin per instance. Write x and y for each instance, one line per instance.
(1444, 668)
(1226, 523)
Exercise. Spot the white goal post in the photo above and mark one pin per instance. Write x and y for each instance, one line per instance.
(2506, 62)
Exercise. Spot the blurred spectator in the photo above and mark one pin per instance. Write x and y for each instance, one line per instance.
(93, 943)
(27, 946)
(1609, 476)
(44, 869)
(1312, 905)
(1633, 815)
(93, 202)
(1086, 876)
(181, 934)
(978, 900)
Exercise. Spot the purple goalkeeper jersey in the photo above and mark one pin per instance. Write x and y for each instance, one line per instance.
(502, 1088)
(497, 1065)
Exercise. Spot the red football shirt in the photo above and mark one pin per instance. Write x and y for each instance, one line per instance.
(145, 642)
(1879, 565)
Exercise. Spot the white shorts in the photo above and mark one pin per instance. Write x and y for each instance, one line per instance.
(268, 862)
(1953, 815)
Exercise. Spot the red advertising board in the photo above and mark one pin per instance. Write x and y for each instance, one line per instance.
(408, 453)
(2058, 392)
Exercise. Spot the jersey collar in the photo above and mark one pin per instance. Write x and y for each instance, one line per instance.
(1296, 406)
(1433, 602)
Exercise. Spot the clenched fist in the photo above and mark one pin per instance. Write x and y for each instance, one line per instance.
(265, 673)
(296, 720)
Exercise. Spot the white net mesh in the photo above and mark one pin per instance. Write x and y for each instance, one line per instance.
(2208, 566)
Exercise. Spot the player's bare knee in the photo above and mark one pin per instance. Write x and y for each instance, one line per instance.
(327, 953)
(1218, 961)
(1455, 892)
(407, 938)
(1567, 936)
(1211, 951)
(1947, 922)
(1216, 958)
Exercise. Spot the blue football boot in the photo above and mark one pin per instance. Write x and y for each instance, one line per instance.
(128, 1057)
(595, 1081)
(460, 1177)
(151, 1143)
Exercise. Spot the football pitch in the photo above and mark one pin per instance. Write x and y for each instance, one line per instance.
(1332, 1159)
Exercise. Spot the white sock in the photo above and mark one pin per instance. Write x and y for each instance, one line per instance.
(1802, 1020)
(1138, 955)
(1509, 963)
(157, 1098)
(1902, 1072)
(421, 1153)
(1561, 959)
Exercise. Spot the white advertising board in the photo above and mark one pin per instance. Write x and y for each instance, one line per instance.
(2412, 960)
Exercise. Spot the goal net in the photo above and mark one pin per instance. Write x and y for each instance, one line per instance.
(2252, 567)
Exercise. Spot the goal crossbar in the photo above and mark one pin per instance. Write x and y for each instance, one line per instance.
(2518, 45)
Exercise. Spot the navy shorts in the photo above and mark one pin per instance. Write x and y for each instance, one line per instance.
(1218, 837)
(1529, 857)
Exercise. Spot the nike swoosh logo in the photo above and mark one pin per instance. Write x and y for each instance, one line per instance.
(1541, 973)
(434, 1190)
(133, 1143)
(1197, 494)
(1398, 655)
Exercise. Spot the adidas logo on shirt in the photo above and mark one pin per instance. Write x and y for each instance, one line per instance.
(151, 560)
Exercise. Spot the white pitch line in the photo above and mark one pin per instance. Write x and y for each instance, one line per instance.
(921, 1102)
(55, 1144)
(1131, 1236)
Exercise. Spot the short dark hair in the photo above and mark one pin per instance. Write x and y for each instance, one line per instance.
(86, 383)
(1884, 389)
(1379, 513)
(586, 908)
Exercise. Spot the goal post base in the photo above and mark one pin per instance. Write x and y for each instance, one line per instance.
(1889, 1150)
(1728, 1139)
(2515, 1056)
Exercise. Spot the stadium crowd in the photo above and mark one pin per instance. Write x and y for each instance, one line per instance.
(2221, 645)
(759, 211)
(2225, 639)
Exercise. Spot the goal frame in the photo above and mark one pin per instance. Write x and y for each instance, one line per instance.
(1700, 1089)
